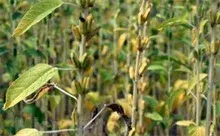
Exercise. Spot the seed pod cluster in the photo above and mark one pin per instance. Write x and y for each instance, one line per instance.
(87, 27)
(83, 63)
(213, 48)
(144, 12)
(142, 43)
(214, 17)
(81, 87)
(76, 32)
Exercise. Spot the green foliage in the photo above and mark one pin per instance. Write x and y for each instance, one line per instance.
(36, 14)
(28, 83)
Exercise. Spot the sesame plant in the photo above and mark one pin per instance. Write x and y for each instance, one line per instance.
(109, 67)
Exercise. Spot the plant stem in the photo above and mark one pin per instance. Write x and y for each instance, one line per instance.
(210, 83)
(198, 71)
(80, 112)
(135, 91)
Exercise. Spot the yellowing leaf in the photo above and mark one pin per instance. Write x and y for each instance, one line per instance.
(193, 81)
(28, 83)
(29, 132)
(197, 131)
(36, 14)
(185, 123)
(126, 106)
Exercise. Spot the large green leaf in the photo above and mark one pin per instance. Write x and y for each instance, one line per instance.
(28, 83)
(36, 14)
(29, 132)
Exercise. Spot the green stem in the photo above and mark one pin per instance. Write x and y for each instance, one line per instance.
(210, 83)
(135, 91)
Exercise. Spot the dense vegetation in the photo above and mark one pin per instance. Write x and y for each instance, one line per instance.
(109, 67)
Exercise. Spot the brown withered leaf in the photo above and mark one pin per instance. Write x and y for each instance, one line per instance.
(40, 93)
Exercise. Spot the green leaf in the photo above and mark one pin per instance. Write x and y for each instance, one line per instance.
(157, 68)
(29, 132)
(28, 83)
(154, 116)
(150, 101)
(36, 14)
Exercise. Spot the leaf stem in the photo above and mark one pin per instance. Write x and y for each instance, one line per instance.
(66, 93)
(57, 131)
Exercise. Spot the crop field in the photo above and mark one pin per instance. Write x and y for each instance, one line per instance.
(109, 68)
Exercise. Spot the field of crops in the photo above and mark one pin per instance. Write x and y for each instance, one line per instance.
(109, 68)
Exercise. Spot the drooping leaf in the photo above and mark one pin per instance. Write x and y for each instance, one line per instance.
(154, 116)
(28, 83)
(185, 123)
(36, 14)
(173, 22)
(29, 132)
(40, 93)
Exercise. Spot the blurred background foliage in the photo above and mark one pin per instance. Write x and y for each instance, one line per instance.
(170, 74)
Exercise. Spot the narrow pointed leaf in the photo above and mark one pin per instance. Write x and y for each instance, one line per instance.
(28, 83)
(36, 14)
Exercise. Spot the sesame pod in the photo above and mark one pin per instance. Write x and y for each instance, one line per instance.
(76, 32)
(131, 72)
(208, 50)
(83, 58)
(92, 33)
(89, 21)
(140, 18)
(142, 68)
(143, 87)
(86, 62)
(147, 13)
(85, 83)
(215, 47)
(211, 17)
(83, 25)
(195, 54)
(145, 42)
(139, 46)
(141, 104)
(75, 59)
(78, 87)
(218, 17)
